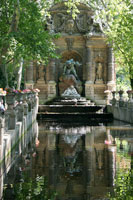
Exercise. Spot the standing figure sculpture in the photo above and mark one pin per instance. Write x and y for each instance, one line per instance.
(99, 71)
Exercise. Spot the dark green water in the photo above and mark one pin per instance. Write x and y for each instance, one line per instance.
(75, 162)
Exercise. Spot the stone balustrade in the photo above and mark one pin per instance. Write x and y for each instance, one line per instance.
(17, 127)
(120, 107)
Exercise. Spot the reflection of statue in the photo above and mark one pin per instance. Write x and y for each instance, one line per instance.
(99, 71)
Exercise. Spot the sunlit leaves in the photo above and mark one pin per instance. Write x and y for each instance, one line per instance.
(116, 20)
(34, 189)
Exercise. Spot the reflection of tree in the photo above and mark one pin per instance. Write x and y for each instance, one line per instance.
(123, 185)
(123, 189)
(33, 189)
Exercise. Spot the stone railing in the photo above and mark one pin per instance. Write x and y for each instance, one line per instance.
(17, 127)
(120, 107)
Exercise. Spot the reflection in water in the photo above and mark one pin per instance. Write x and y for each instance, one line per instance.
(81, 162)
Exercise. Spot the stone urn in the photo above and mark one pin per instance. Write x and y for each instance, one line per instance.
(107, 96)
(19, 97)
(25, 96)
(121, 95)
(121, 100)
(130, 95)
(1, 97)
(2, 94)
(114, 98)
(10, 98)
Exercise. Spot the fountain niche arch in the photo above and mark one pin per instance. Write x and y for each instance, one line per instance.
(70, 74)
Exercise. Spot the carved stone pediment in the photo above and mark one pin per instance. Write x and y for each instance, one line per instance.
(63, 22)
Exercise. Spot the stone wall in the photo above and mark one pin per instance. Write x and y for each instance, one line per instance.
(17, 127)
(122, 109)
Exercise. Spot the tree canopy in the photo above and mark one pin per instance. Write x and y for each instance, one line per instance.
(116, 21)
(23, 33)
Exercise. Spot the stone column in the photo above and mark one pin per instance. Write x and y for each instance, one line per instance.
(52, 83)
(52, 71)
(111, 69)
(89, 64)
(30, 75)
(89, 89)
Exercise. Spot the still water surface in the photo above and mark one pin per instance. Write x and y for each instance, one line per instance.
(75, 162)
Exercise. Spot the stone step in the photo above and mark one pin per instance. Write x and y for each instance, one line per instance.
(70, 109)
(76, 117)
(73, 102)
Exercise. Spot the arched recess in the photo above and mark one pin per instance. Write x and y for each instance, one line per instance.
(67, 55)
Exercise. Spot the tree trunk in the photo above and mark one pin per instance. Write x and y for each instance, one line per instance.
(5, 74)
(19, 78)
(131, 81)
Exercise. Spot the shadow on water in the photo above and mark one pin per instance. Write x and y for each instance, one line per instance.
(75, 162)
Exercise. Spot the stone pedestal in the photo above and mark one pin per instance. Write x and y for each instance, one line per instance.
(99, 95)
(51, 89)
(89, 90)
(29, 85)
(89, 60)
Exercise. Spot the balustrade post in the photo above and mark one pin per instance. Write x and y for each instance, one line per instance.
(2, 126)
(25, 104)
(11, 111)
(107, 96)
(20, 107)
(113, 101)
(130, 98)
(29, 101)
(121, 100)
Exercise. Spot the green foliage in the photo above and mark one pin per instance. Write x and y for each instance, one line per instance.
(122, 79)
(34, 190)
(23, 34)
(116, 20)
(123, 186)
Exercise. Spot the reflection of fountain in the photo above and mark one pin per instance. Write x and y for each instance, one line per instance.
(71, 149)
(71, 139)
